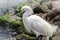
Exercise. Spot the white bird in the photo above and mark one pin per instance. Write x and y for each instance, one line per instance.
(37, 24)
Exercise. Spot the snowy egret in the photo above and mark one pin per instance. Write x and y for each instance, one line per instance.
(36, 24)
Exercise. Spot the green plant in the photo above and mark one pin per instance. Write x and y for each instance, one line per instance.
(18, 10)
(9, 23)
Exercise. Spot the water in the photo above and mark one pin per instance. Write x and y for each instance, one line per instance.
(8, 5)
(5, 35)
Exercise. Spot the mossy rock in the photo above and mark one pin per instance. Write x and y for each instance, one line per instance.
(8, 22)
(25, 37)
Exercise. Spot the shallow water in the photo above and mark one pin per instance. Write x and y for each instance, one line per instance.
(5, 35)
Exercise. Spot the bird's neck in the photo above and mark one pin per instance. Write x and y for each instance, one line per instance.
(27, 14)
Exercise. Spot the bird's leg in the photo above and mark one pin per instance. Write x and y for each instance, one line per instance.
(50, 38)
(47, 38)
(40, 37)
(37, 38)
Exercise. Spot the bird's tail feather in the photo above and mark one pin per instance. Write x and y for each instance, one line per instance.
(55, 27)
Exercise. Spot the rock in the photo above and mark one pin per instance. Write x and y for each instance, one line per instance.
(56, 20)
(56, 4)
(51, 5)
(47, 5)
(54, 16)
(57, 36)
(38, 10)
(14, 17)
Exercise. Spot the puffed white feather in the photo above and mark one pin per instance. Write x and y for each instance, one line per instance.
(37, 24)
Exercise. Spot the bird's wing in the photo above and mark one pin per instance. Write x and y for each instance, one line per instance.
(39, 24)
(40, 27)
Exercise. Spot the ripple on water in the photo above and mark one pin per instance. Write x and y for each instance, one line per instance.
(5, 35)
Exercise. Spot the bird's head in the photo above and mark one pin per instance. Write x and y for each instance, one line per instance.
(26, 8)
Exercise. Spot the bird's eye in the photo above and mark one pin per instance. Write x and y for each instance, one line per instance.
(23, 11)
